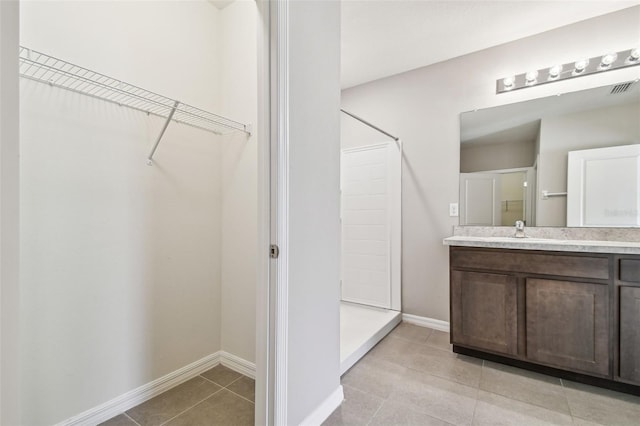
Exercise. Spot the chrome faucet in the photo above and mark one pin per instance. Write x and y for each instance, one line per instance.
(520, 229)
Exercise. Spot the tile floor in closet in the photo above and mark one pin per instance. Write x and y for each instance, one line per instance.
(219, 396)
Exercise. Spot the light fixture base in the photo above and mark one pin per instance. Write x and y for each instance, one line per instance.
(587, 66)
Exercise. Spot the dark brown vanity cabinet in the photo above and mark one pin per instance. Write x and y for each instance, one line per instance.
(546, 308)
(630, 334)
(628, 290)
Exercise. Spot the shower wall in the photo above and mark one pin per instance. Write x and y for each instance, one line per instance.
(123, 264)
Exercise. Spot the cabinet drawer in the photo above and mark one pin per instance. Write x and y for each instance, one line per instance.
(629, 270)
(558, 264)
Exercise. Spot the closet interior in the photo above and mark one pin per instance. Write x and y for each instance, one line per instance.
(138, 188)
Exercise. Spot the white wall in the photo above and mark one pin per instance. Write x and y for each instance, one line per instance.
(238, 87)
(314, 207)
(597, 128)
(9, 217)
(422, 107)
(162, 46)
(120, 261)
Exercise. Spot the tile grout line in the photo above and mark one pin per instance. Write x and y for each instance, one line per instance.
(241, 376)
(184, 411)
(237, 394)
(475, 406)
(131, 418)
(566, 397)
(211, 381)
(532, 403)
(384, 401)
(227, 387)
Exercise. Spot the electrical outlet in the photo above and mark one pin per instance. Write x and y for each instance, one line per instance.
(453, 209)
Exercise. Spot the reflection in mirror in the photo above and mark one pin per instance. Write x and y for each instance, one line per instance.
(513, 154)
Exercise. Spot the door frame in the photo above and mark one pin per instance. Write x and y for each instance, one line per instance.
(9, 215)
(530, 197)
(273, 199)
(265, 282)
(269, 46)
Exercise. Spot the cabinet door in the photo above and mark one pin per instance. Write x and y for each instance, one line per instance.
(484, 311)
(568, 325)
(630, 333)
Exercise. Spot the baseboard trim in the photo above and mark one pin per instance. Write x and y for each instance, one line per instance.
(324, 410)
(143, 393)
(426, 322)
(238, 364)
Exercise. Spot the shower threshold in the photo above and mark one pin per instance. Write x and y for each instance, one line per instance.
(361, 328)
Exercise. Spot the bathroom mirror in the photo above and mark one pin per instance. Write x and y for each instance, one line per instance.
(513, 158)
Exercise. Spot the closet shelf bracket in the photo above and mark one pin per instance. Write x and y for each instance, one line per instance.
(164, 129)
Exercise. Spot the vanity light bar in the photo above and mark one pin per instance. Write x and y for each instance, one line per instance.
(607, 62)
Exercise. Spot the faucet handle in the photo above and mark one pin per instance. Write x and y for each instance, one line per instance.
(519, 225)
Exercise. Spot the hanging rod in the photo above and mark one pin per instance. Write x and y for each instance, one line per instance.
(362, 120)
(56, 72)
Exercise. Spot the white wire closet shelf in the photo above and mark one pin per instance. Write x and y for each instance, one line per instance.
(56, 72)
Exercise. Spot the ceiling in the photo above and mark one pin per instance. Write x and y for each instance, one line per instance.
(386, 37)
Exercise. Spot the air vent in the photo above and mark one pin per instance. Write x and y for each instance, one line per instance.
(621, 88)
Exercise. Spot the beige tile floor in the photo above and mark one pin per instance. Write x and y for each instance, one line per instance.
(219, 396)
(412, 377)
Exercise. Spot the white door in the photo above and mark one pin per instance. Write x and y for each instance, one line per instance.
(371, 225)
(480, 199)
(603, 187)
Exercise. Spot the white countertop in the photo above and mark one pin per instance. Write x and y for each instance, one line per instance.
(587, 246)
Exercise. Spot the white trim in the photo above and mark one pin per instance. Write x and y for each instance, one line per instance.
(280, 193)
(395, 222)
(9, 215)
(324, 410)
(143, 393)
(426, 322)
(238, 364)
(264, 332)
(504, 171)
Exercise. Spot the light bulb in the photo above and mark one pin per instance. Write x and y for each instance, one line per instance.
(554, 72)
(508, 82)
(607, 60)
(531, 78)
(634, 56)
(580, 66)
